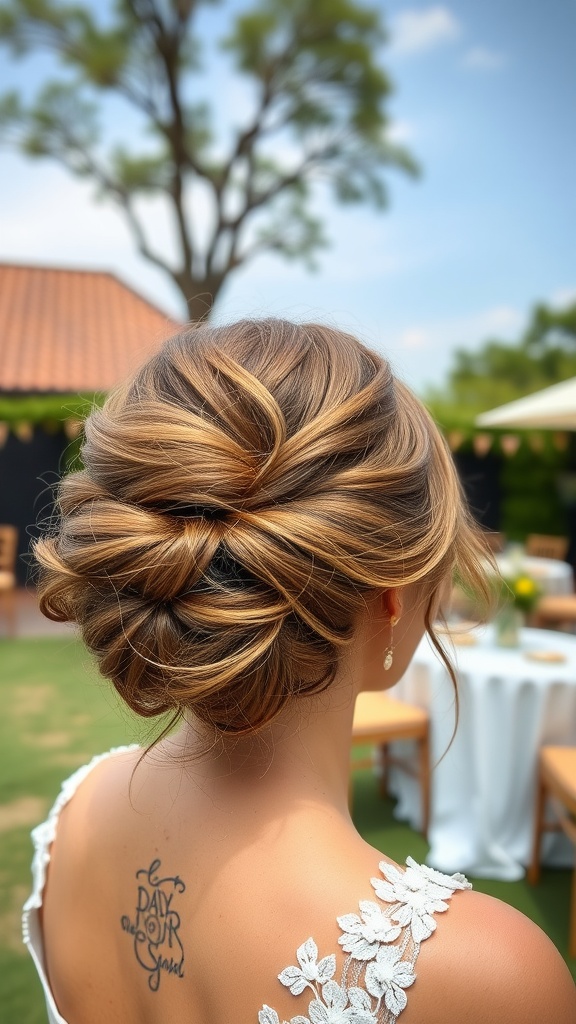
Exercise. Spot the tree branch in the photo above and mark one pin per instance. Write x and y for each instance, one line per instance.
(254, 201)
(118, 193)
(167, 45)
(318, 81)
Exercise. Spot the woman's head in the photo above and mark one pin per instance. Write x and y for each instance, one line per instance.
(243, 494)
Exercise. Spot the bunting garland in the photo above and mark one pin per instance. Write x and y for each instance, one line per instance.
(560, 441)
(510, 444)
(482, 444)
(24, 431)
(455, 438)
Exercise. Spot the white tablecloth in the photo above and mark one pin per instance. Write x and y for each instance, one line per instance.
(554, 576)
(483, 789)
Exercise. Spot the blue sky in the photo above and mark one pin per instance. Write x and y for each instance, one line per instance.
(486, 100)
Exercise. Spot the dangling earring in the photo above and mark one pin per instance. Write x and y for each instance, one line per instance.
(388, 659)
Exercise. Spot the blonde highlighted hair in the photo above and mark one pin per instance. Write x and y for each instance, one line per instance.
(241, 496)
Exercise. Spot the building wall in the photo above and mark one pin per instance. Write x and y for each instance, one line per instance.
(28, 473)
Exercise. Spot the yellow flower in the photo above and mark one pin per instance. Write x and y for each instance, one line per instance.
(524, 586)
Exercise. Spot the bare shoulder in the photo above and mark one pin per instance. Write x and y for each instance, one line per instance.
(92, 796)
(105, 775)
(488, 963)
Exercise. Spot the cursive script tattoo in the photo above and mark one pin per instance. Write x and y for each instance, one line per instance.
(156, 924)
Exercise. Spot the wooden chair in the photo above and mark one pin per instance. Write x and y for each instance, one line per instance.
(556, 780)
(8, 549)
(379, 720)
(555, 611)
(541, 545)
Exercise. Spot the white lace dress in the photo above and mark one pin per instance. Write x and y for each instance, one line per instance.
(42, 837)
(382, 941)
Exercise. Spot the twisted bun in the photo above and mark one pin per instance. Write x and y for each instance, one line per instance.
(240, 497)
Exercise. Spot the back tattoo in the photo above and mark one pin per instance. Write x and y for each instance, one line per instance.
(156, 924)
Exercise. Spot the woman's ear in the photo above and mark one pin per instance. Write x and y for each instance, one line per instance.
(392, 603)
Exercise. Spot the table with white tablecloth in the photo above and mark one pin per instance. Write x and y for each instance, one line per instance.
(483, 786)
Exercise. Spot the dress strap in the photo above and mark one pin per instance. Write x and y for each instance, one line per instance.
(43, 836)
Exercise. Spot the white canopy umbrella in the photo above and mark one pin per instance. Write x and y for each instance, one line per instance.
(554, 408)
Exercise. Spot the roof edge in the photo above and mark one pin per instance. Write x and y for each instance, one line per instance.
(52, 268)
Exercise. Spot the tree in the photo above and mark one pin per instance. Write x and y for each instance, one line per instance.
(319, 96)
(498, 372)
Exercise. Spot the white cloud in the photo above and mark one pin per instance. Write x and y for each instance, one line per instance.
(563, 297)
(401, 132)
(50, 218)
(413, 31)
(423, 352)
(480, 58)
(497, 322)
(415, 339)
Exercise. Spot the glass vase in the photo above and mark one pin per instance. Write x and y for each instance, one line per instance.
(508, 625)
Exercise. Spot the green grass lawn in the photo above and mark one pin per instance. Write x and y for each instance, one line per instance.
(57, 713)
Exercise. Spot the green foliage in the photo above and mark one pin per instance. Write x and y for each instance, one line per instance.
(498, 372)
(316, 53)
(552, 329)
(320, 97)
(141, 173)
(530, 499)
(46, 409)
(58, 107)
(294, 231)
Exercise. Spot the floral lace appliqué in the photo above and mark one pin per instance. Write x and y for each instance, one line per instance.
(375, 974)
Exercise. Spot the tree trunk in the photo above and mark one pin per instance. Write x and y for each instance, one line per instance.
(198, 294)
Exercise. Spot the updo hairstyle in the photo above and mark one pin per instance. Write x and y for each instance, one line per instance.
(241, 496)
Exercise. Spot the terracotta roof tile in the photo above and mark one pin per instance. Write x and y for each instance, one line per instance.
(72, 330)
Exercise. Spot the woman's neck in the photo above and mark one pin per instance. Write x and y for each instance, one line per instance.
(303, 755)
